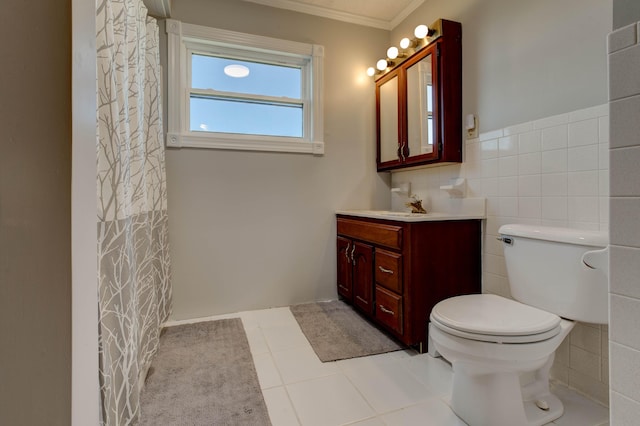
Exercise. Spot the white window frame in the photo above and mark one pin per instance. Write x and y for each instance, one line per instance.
(184, 39)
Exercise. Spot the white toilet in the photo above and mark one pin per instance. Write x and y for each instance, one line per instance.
(556, 276)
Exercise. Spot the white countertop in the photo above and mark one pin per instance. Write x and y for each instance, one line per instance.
(410, 217)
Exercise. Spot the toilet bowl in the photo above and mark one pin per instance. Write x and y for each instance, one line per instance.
(557, 275)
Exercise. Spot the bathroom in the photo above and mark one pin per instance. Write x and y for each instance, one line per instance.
(252, 230)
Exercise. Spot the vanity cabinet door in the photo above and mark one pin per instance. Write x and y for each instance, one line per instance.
(390, 149)
(363, 277)
(388, 309)
(345, 270)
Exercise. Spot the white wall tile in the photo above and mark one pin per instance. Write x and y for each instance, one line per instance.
(587, 113)
(554, 161)
(508, 207)
(555, 138)
(529, 207)
(623, 73)
(604, 213)
(508, 166)
(529, 164)
(490, 187)
(603, 156)
(508, 186)
(584, 362)
(625, 271)
(603, 129)
(554, 185)
(530, 142)
(554, 208)
(624, 411)
(495, 134)
(587, 338)
(489, 148)
(625, 370)
(625, 213)
(625, 321)
(583, 158)
(583, 209)
(583, 132)
(490, 168)
(583, 184)
(625, 179)
(508, 146)
(518, 128)
(625, 126)
(529, 186)
(622, 38)
(551, 121)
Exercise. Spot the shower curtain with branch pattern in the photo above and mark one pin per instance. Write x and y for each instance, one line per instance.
(133, 265)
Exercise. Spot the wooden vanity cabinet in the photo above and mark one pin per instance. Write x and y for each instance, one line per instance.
(395, 272)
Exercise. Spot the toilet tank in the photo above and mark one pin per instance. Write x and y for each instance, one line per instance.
(546, 269)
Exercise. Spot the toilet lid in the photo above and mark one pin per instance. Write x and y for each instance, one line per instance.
(494, 318)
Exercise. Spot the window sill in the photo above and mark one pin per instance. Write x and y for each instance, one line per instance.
(243, 143)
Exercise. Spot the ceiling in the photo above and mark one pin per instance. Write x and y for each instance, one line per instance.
(384, 14)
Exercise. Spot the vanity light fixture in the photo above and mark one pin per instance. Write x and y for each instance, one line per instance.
(421, 31)
(422, 34)
(383, 64)
(406, 43)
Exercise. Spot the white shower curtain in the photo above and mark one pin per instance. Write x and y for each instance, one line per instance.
(134, 269)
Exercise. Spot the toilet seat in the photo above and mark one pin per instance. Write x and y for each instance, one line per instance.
(492, 318)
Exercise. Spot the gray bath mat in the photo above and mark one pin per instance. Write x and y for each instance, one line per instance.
(336, 331)
(203, 374)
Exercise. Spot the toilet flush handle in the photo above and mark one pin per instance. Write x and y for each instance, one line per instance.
(597, 259)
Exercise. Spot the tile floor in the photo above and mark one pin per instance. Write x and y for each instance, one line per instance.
(398, 388)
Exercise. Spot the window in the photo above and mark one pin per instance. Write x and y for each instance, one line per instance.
(230, 90)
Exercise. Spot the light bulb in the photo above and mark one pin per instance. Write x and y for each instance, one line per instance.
(405, 43)
(421, 31)
(371, 71)
(392, 52)
(382, 64)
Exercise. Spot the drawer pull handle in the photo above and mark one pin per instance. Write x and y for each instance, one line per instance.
(386, 311)
(388, 271)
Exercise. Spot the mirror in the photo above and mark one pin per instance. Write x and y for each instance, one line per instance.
(420, 107)
(388, 132)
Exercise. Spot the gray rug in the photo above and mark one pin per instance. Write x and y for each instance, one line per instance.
(336, 331)
(203, 374)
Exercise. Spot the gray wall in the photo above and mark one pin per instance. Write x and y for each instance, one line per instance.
(35, 188)
(252, 230)
(525, 60)
(625, 12)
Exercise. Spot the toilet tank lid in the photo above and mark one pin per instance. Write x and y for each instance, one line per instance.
(563, 235)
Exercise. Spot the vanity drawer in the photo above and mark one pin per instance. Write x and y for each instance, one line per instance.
(376, 233)
(389, 270)
(389, 309)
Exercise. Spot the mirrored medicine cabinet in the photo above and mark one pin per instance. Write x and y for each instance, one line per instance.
(419, 104)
